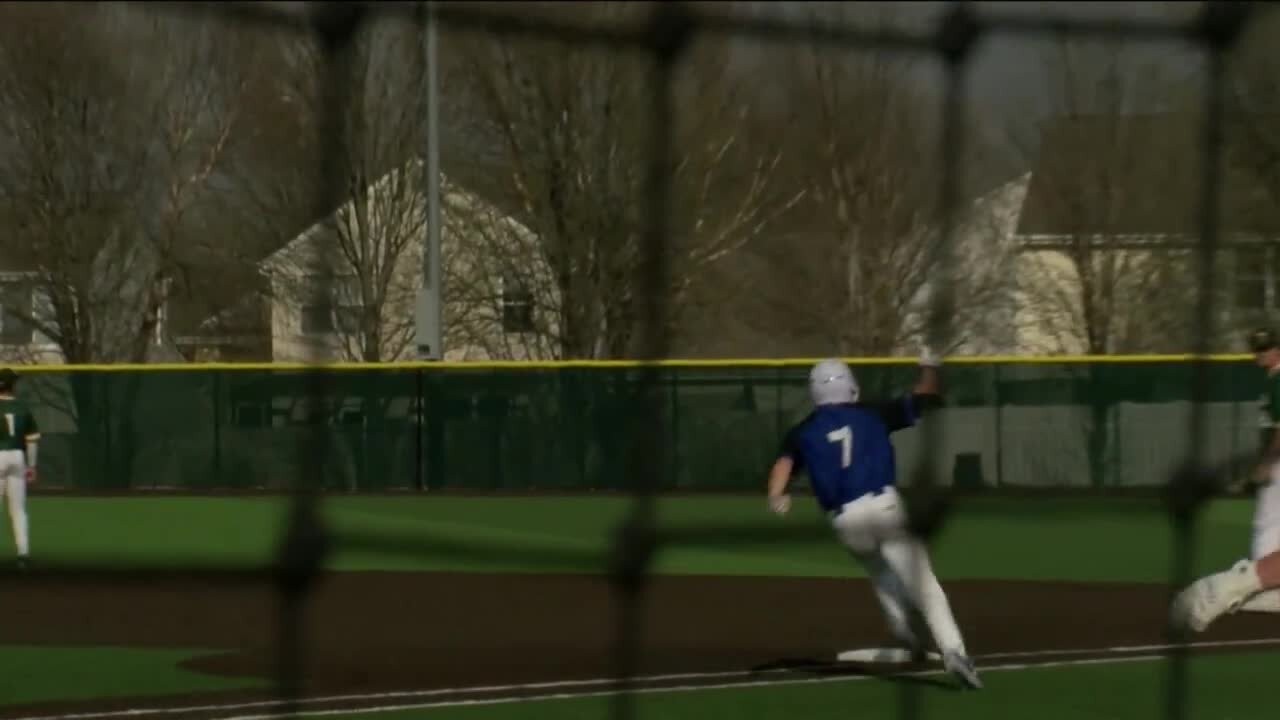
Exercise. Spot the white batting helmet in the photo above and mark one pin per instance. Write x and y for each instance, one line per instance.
(831, 381)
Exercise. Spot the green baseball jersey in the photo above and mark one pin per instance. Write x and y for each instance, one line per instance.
(1269, 409)
(17, 424)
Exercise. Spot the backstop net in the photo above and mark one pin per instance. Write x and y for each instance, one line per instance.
(621, 217)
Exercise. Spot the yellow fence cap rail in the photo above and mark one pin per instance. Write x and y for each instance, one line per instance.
(605, 364)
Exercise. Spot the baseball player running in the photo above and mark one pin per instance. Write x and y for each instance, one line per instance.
(1252, 584)
(19, 435)
(846, 449)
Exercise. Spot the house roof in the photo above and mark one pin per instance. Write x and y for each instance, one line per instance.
(214, 291)
(1134, 175)
(454, 195)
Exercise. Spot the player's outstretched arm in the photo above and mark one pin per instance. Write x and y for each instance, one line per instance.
(1270, 453)
(33, 445)
(779, 476)
(925, 395)
(789, 459)
(928, 383)
(32, 439)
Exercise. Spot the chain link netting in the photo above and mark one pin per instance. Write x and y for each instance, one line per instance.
(664, 40)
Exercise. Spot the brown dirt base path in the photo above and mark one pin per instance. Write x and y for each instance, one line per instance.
(376, 632)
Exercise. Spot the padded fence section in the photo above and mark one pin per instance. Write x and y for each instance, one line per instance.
(1099, 425)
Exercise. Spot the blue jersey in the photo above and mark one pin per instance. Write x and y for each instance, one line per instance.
(846, 450)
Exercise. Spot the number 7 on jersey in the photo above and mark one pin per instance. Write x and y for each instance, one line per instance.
(844, 436)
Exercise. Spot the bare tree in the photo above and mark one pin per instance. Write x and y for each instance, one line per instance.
(108, 152)
(369, 246)
(106, 155)
(573, 127)
(1252, 173)
(852, 269)
(874, 195)
(1110, 214)
(1100, 281)
(501, 299)
(1253, 101)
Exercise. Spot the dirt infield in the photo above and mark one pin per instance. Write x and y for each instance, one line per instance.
(377, 632)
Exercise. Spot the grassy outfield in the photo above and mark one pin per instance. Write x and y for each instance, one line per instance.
(1085, 540)
(1088, 540)
(1224, 687)
(44, 674)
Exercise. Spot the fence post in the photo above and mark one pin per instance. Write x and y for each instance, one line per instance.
(1232, 440)
(573, 395)
(777, 401)
(995, 394)
(434, 447)
(673, 377)
(217, 428)
(1116, 419)
(420, 430)
(107, 424)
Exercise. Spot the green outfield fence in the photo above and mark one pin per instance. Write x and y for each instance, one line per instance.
(1081, 423)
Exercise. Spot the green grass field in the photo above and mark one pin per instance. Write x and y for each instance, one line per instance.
(1226, 688)
(1062, 539)
(1072, 539)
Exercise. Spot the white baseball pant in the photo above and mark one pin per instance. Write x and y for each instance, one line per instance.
(874, 530)
(1266, 539)
(13, 486)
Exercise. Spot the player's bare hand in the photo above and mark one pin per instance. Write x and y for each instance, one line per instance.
(31, 475)
(780, 504)
(1262, 474)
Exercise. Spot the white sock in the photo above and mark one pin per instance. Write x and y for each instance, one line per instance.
(1243, 579)
(1267, 601)
(20, 533)
(910, 562)
(17, 493)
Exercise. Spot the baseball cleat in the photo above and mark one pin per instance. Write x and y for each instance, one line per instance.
(1267, 601)
(962, 667)
(22, 563)
(886, 655)
(1212, 596)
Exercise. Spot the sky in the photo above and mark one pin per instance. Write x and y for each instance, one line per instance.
(1007, 68)
(1009, 75)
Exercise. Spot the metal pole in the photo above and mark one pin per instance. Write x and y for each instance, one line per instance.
(430, 313)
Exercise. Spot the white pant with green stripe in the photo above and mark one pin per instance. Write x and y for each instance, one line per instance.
(1266, 539)
(1266, 518)
(13, 485)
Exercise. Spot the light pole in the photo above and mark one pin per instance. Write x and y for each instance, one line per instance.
(429, 320)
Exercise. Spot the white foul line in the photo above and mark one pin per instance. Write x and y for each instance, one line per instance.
(402, 694)
(568, 684)
(375, 710)
(1134, 649)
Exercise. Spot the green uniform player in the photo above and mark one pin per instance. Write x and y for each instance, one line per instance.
(1269, 411)
(19, 436)
(1253, 583)
(19, 426)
